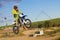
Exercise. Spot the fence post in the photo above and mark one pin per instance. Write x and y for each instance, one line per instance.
(6, 29)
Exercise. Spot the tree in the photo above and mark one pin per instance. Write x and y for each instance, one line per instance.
(40, 26)
(47, 24)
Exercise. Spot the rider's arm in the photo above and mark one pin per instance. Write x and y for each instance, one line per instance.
(20, 12)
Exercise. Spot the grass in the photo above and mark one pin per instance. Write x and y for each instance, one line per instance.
(52, 32)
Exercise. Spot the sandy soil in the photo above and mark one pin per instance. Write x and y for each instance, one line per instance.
(26, 36)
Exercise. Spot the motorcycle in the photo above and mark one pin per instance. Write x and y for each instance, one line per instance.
(21, 21)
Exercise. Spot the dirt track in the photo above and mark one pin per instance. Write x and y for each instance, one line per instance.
(26, 36)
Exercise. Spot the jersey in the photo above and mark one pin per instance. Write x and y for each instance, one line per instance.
(15, 13)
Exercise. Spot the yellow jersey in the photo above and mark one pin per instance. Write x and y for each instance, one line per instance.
(14, 12)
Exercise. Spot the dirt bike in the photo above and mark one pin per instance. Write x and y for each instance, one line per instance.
(21, 21)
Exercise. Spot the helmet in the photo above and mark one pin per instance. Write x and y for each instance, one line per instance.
(15, 7)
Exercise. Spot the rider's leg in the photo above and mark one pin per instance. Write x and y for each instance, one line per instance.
(16, 19)
(16, 22)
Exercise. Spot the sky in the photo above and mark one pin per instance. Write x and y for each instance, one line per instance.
(36, 10)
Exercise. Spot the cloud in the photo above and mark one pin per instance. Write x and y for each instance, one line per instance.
(2, 2)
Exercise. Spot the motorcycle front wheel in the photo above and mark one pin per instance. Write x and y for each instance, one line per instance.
(27, 23)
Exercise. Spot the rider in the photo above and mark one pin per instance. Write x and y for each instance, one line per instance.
(16, 12)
